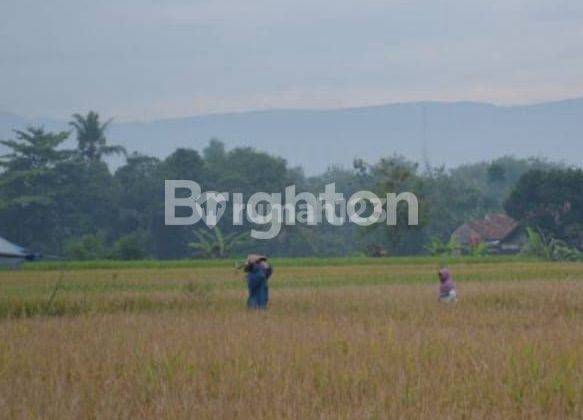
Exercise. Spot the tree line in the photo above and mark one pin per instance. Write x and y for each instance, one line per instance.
(69, 203)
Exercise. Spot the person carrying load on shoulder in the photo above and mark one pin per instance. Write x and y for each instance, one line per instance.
(258, 273)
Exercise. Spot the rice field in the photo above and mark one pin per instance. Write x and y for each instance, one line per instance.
(342, 339)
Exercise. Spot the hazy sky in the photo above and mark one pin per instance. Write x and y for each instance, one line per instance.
(146, 59)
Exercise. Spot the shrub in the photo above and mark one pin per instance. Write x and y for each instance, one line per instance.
(129, 247)
(548, 248)
(87, 247)
(437, 247)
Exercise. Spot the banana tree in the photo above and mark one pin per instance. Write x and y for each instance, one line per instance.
(215, 244)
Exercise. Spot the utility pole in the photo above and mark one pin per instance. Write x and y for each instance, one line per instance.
(424, 149)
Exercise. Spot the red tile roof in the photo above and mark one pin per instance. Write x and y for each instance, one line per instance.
(493, 227)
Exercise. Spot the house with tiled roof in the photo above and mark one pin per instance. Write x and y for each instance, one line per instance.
(499, 232)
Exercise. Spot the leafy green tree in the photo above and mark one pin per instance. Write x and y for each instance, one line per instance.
(172, 241)
(86, 247)
(48, 196)
(91, 140)
(130, 247)
(87, 198)
(34, 150)
(447, 202)
(28, 184)
(550, 201)
(494, 180)
(30, 164)
(496, 172)
(141, 182)
(215, 153)
(393, 174)
(184, 164)
(248, 171)
(141, 193)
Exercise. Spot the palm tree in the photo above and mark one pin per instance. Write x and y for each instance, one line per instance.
(92, 143)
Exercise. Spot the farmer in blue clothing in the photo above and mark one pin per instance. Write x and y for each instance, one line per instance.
(258, 272)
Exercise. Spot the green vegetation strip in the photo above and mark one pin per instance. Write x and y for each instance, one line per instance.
(282, 262)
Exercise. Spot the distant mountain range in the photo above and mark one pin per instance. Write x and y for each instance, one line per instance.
(441, 132)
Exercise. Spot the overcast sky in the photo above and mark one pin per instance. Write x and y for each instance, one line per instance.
(145, 59)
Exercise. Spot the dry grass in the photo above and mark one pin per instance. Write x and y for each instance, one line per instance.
(337, 342)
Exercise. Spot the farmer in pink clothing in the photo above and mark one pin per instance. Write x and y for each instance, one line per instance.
(447, 292)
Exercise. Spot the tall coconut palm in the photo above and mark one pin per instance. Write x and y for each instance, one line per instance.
(92, 143)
